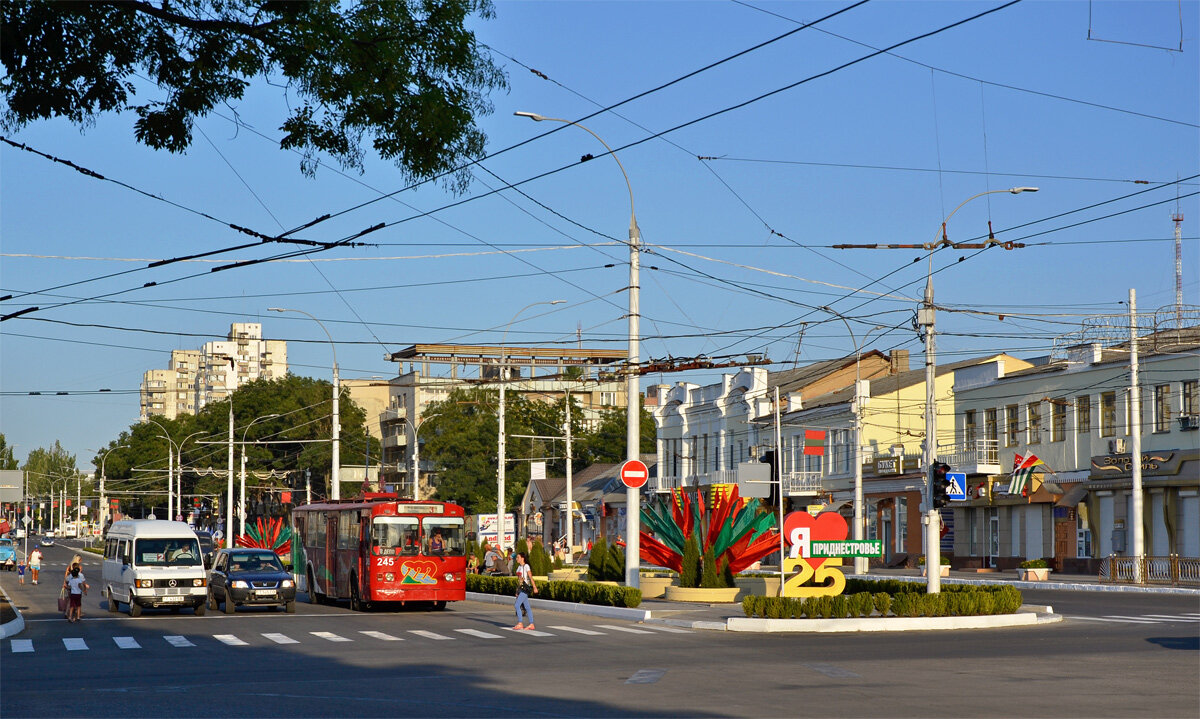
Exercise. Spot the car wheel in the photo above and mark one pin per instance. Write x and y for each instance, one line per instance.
(313, 596)
(135, 609)
(230, 606)
(290, 607)
(112, 603)
(439, 605)
(199, 608)
(211, 601)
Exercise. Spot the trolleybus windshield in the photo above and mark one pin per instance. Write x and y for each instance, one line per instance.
(444, 536)
(395, 535)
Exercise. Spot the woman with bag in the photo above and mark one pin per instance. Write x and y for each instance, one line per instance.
(76, 587)
(525, 587)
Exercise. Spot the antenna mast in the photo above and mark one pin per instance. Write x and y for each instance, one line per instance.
(1177, 218)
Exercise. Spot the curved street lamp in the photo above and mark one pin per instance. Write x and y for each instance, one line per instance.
(335, 474)
(170, 468)
(242, 513)
(632, 395)
(103, 480)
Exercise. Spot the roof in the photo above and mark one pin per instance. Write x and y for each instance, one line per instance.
(1165, 342)
(596, 482)
(894, 383)
(490, 354)
(791, 380)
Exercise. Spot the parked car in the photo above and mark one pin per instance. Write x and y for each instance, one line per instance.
(8, 554)
(251, 577)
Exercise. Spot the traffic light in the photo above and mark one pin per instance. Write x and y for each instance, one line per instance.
(940, 484)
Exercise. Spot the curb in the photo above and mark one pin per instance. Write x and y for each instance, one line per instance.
(551, 605)
(888, 624)
(16, 626)
(1077, 587)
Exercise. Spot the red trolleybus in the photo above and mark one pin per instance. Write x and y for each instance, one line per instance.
(379, 548)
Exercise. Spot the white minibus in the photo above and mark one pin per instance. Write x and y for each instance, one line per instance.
(153, 563)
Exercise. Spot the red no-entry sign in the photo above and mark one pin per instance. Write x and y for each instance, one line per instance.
(634, 473)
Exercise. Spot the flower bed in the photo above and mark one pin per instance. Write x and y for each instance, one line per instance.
(578, 592)
(901, 599)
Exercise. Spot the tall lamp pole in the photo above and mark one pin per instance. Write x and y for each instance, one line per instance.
(242, 506)
(926, 321)
(103, 480)
(170, 468)
(337, 427)
(502, 447)
(632, 395)
(416, 453)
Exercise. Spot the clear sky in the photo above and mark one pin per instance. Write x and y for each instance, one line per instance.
(739, 247)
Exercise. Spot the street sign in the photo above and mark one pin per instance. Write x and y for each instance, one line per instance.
(957, 491)
(26, 520)
(634, 473)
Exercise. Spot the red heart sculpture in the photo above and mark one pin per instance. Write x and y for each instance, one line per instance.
(825, 527)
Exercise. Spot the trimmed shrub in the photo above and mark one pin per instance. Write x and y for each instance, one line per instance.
(727, 575)
(614, 564)
(839, 607)
(882, 602)
(596, 559)
(709, 579)
(578, 592)
(689, 574)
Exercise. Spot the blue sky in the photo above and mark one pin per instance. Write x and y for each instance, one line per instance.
(739, 246)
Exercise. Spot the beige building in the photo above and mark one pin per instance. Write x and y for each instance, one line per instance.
(210, 374)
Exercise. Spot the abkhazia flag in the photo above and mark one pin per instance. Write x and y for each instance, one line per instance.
(1022, 471)
(814, 442)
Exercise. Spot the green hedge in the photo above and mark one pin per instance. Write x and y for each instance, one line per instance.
(579, 592)
(953, 601)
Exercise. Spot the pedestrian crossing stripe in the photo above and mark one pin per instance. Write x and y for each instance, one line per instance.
(74, 644)
(21, 645)
(664, 628)
(127, 643)
(330, 636)
(178, 641)
(478, 633)
(577, 630)
(530, 632)
(279, 638)
(429, 635)
(382, 636)
(1183, 618)
(229, 639)
(617, 628)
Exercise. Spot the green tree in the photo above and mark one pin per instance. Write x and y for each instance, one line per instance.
(47, 469)
(7, 460)
(407, 77)
(607, 443)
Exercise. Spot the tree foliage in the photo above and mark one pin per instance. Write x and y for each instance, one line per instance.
(7, 459)
(607, 442)
(47, 468)
(405, 75)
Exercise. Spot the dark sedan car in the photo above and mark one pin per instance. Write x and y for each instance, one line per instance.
(250, 577)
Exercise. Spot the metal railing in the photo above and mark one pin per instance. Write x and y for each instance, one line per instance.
(1172, 569)
(976, 452)
(802, 483)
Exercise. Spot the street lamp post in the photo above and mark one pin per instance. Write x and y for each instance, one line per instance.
(860, 563)
(416, 453)
(926, 320)
(103, 480)
(179, 467)
(335, 473)
(242, 501)
(502, 445)
(632, 395)
(170, 467)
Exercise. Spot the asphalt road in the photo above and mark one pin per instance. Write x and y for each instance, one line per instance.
(329, 661)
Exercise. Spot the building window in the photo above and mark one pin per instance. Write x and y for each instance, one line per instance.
(1162, 408)
(989, 424)
(1108, 414)
(969, 425)
(1034, 416)
(1058, 422)
(608, 399)
(1012, 425)
(1083, 414)
(901, 523)
(1191, 400)
(1083, 537)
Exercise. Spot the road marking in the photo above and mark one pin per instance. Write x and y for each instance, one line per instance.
(279, 638)
(1108, 619)
(630, 630)
(1174, 618)
(664, 628)
(75, 644)
(330, 636)
(530, 632)
(177, 641)
(127, 643)
(230, 640)
(646, 676)
(21, 645)
(478, 633)
(1140, 618)
(381, 635)
(832, 671)
(429, 635)
(577, 630)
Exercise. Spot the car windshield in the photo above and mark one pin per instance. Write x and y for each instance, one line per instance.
(254, 563)
(179, 552)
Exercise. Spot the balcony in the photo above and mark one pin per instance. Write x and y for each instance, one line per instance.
(799, 484)
(981, 456)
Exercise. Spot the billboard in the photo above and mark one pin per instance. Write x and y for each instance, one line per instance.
(11, 485)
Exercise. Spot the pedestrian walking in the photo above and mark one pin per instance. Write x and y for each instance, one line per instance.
(35, 563)
(525, 587)
(21, 572)
(76, 561)
(76, 586)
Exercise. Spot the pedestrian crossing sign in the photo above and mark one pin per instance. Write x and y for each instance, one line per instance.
(957, 491)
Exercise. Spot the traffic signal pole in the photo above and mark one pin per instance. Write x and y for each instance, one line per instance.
(933, 559)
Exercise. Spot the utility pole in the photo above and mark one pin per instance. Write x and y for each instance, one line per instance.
(1135, 432)
(570, 481)
(933, 560)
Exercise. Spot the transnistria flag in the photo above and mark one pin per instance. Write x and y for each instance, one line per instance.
(1022, 471)
(814, 442)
